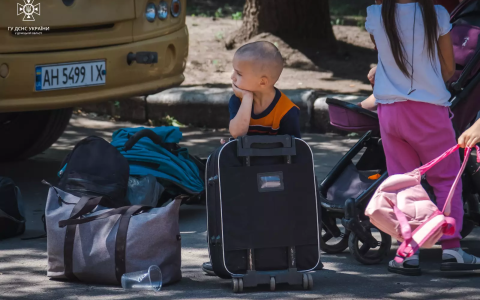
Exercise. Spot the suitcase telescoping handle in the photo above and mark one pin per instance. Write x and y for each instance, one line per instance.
(141, 134)
(257, 145)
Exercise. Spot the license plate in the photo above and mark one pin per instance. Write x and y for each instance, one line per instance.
(70, 75)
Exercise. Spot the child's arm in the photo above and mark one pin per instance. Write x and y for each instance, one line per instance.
(447, 60)
(368, 103)
(239, 125)
(371, 75)
(471, 136)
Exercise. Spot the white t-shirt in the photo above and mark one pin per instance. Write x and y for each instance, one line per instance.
(391, 85)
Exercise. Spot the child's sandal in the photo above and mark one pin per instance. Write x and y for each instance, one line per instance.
(455, 262)
(405, 268)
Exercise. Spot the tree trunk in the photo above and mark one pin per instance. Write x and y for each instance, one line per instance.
(287, 19)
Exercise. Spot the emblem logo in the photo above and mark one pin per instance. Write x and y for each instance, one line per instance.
(465, 42)
(28, 10)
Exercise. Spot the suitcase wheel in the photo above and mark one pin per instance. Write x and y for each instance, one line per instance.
(272, 284)
(237, 285)
(307, 281)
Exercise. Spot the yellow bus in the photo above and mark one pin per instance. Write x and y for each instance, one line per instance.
(57, 54)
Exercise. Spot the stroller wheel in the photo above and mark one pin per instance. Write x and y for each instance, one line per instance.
(328, 242)
(332, 245)
(364, 253)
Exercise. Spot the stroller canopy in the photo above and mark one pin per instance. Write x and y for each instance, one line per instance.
(146, 157)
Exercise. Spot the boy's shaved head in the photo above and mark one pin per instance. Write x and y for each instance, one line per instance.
(266, 58)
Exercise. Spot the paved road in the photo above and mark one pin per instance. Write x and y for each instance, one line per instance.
(23, 263)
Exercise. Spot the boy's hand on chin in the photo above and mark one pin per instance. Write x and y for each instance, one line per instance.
(241, 93)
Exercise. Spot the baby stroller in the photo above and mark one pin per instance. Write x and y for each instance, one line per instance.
(347, 189)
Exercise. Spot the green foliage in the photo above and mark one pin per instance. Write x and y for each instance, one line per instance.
(219, 36)
(199, 9)
(196, 11)
(219, 13)
(227, 9)
(167, 121)
(361, 24)
(237, 16)
(340, 8)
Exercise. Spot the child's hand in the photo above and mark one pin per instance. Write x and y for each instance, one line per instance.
(241, 93)
(222, 141)
(371, 75)
(369, 103)
(470, 137)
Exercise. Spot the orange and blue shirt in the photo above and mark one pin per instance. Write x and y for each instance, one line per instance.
(280, 117)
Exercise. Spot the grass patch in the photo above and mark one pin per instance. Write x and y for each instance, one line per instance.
(340, 8)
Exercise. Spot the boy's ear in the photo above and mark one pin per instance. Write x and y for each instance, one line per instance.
(264, 81)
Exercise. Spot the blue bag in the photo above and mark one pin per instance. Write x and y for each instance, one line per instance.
(155, 151)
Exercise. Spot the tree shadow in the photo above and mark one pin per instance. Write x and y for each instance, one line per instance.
(343, 60)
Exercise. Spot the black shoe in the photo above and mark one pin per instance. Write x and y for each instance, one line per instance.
(207, 268)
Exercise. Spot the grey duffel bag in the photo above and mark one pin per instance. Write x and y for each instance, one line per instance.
(102, 245)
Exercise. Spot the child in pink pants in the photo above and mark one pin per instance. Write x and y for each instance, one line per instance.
(415, 59)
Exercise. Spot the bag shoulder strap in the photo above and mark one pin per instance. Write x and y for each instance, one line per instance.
(447, 208)
(423, 169)
(422, 233)
(84, 205)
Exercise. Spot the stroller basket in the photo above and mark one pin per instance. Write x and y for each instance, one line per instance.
(350, 117)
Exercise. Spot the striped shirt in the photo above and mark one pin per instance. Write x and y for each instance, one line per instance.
(280, 117)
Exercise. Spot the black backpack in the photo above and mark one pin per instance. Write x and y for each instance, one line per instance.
(96, 168)
(12, 218)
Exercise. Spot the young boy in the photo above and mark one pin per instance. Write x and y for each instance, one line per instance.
(257, 107)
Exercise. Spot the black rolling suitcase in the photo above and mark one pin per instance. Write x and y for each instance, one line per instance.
(262, 212)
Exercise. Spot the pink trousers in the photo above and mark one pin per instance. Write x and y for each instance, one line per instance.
(414, 133)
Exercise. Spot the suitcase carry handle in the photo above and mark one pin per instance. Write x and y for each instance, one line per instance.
(279, 145)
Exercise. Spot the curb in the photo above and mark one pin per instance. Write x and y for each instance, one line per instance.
(129, 109)
(208, 107)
